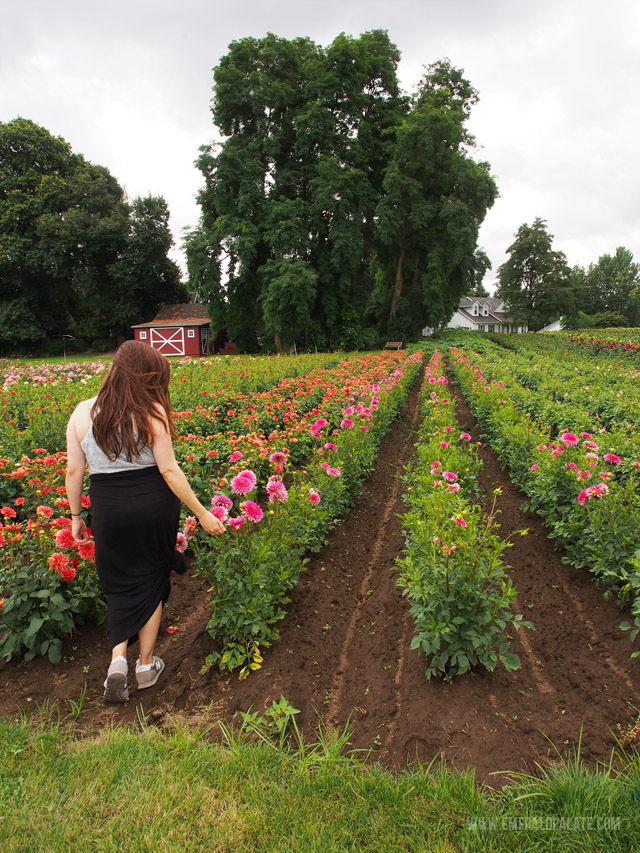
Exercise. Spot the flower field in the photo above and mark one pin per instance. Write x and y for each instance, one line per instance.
(278, 446)
(565, 417)
(369, 610)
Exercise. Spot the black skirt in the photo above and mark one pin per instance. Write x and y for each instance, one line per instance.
(134, 518)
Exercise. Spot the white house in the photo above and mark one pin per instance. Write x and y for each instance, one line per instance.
(556, 326)
(483, 314)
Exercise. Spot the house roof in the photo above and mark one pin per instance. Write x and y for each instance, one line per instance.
(184, 314)
(493, 303)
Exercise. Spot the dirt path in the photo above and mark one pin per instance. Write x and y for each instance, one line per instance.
(344, 652)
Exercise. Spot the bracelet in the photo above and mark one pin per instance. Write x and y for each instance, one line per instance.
(76, 513)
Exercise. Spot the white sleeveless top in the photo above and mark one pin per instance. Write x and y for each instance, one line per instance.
(99, 462)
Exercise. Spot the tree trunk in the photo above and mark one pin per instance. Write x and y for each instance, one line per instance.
(278, 343)
(399, 281)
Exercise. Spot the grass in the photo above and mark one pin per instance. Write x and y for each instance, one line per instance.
(253, 790)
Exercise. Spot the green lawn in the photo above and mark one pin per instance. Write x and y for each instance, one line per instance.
(191, 790)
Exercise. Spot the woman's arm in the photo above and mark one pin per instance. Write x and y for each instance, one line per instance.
(176, 480)
(74, 480)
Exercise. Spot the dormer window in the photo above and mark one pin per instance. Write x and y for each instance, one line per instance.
(485, 310)
(475, 309)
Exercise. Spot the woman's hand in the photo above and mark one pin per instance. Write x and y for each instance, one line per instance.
(79, 530)
(211, 524)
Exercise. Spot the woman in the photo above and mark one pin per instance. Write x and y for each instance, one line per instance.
(125, 435)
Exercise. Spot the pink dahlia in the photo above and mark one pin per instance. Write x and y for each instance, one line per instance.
(449, 476)
(221, 500)
(569, 439)
(236, 523)
(330, 446)
(252, 511)
(611, 457)
(44, 511)
(458, 519)
(278, 458)
(220, 512)
(190, 526)
(346, 423)
(181, 542)
(465, 436)
(334, 472)
(277, 492)
(444, 444)
(534, 467)
(314, 497)
(235, 457)
(244, 482)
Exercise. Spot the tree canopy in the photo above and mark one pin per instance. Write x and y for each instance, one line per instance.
(611, 286)
(73, 259)
(535, 281)
(336, 206)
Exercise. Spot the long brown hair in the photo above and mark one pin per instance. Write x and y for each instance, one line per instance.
(137, 383)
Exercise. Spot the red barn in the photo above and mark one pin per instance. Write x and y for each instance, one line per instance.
(178, 330)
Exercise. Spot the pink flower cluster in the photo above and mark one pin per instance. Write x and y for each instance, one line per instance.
(276, 489)
(596, 491)
(244, 482)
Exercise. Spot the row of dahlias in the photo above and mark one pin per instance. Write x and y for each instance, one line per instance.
(36, 400)
(274, 522)
(227, 466)
(452, 570)
(584, 482)
(292, 408)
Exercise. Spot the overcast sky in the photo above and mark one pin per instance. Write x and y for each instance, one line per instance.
(128, 85)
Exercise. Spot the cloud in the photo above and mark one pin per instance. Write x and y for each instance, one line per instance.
(128, 85)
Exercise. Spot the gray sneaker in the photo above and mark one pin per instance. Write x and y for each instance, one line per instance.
(148, 677)
(115, 687)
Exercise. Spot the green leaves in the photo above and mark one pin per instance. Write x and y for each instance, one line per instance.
(452, 573)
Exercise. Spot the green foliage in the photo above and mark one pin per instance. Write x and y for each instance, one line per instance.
(40, 608)
(459, 594)
(435, 199)
(75, 258)
(289, 198)
(609, 320)
(584, 486)
(612, 286)
(332, 194)
(535, 282)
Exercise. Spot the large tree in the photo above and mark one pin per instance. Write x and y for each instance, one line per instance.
(75, 257)
(435, 199)
(62, 220)
(535, 281)
(144, 276)
(295, 186)
(613, 285)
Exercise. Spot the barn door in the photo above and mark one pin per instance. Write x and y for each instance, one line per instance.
(168, 341)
